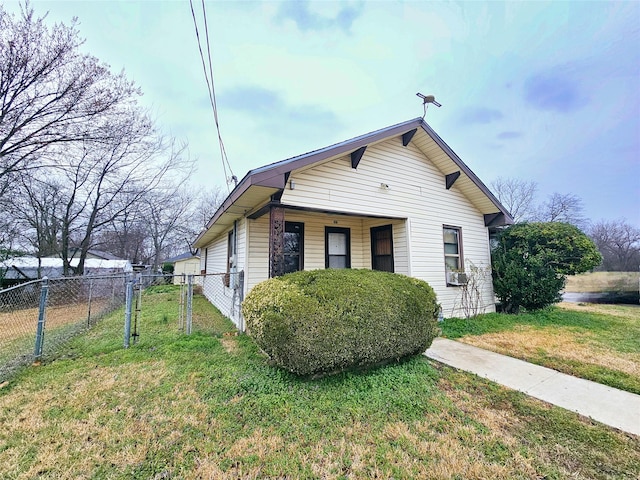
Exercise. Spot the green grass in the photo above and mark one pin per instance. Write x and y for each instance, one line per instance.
(209, 406)
(599, 343)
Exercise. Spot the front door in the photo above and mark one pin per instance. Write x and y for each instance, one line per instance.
(337, 247)
(382, 248)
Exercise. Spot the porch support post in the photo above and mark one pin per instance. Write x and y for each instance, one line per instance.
(276, 241)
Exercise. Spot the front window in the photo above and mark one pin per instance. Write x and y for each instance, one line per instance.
(231, 258)
(337, 247)
(293, 246)
(452, 249)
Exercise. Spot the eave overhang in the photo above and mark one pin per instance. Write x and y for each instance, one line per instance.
(259, 185)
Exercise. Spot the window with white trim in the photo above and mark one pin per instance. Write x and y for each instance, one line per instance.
(453, 260)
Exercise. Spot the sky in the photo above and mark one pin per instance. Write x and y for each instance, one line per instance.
(540, 91)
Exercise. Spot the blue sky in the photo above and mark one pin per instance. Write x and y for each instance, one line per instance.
(548, 92)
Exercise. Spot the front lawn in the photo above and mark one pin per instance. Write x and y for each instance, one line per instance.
(207, 406)
(596, 342)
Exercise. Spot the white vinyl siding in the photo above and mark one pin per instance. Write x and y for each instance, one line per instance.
(314, 247)
(224, 298)
(416, 204)
(416, 190)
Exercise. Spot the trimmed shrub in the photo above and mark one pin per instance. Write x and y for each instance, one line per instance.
(531, 261)
(326, 321)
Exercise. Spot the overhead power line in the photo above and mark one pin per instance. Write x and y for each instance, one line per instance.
(212, 91)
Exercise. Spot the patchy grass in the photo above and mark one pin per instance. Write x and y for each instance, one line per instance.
(596, 342)
(603, 282)
(18, 330)
(209, 406)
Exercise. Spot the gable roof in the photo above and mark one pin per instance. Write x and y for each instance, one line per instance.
(182, 256)
(259, 184)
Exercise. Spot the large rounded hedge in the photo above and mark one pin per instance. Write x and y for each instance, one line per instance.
(325, 321)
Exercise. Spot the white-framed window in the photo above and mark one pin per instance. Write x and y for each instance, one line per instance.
(453, 258)
(231, 258)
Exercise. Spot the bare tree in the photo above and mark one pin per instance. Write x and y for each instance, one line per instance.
(9, 231)
(563, 207)
(125, 235)
(106, 179)
(208, 201)
(38, 210)
(51, 95)
(518, 196)
(168, 221)
(619, 244)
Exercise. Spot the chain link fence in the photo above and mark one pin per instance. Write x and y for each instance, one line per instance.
(38, 317)
(223, 290)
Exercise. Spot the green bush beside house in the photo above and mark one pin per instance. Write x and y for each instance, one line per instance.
(531, 261)
(325, 321)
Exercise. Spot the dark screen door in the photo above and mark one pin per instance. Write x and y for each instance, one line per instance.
(382, 248)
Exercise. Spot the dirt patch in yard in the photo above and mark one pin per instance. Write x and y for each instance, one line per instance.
(18, 323)
(603, 282)
(529, 342)
(627, 312)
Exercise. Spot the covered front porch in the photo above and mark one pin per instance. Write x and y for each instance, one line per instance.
(307, 239)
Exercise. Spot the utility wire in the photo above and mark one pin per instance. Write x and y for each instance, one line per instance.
(211, 90)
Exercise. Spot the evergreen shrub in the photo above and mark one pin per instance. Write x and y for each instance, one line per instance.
(325, 321)
(531, 261)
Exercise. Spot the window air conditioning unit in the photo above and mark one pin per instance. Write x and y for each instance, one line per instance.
(456, 278)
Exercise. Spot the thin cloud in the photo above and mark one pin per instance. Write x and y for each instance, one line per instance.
(306, 20)
(480, 115)
(269, 104)
(252, 99)
(553, 93)
(510, 135)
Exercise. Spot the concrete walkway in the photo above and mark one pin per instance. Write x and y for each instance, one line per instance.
(613, 407)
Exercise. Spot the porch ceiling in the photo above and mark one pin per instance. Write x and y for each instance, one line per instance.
(265, 209)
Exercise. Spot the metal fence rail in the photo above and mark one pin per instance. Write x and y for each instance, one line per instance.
(223, 290)
(38, 317)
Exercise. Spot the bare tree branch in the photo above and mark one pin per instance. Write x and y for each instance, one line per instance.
(50, 93)
(563, 207)
(518, 196)
(619, 244)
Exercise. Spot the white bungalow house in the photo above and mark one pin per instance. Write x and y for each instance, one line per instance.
(397, 199)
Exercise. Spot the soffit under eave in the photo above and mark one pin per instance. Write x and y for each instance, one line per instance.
(252, 197)
(443, 162)
(343, 156)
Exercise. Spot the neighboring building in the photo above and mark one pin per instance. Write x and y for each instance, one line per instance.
(183, 265)
(26, 268)
(74, 252)
(397, 199)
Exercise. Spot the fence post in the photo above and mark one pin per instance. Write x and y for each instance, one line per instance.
(127, 312)
(90, 294)
(44, 293)
(183, 292)
(189, 303)
(241, 297)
